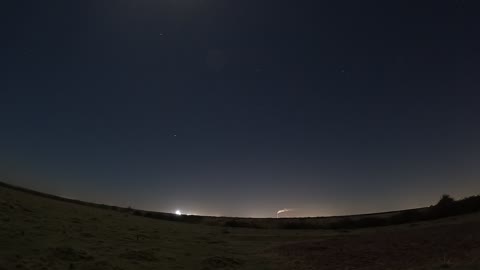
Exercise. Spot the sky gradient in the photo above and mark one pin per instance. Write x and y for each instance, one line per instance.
(242, 108)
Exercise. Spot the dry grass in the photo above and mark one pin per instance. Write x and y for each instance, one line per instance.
(42, 233)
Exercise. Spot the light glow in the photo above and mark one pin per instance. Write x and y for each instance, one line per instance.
(283, 211)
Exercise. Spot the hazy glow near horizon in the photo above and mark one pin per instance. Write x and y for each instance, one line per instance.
(178, 212)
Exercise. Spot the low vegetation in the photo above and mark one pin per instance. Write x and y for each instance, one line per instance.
(43, 232)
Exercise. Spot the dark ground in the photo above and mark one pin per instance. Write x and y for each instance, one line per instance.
(42, 233)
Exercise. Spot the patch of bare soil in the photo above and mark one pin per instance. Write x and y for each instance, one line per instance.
(439, 246)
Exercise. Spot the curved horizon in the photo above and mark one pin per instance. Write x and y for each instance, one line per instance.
(186, 213)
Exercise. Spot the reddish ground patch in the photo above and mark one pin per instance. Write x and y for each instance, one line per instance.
(445, 245)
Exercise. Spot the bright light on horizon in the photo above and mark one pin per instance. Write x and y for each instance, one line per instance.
(178, 212)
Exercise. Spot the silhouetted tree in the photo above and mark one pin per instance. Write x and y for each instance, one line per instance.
(444, 207)
(445, 201)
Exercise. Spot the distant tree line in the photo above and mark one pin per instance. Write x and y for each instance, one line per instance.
(445, 207)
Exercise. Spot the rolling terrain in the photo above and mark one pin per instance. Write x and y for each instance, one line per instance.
(37, 232)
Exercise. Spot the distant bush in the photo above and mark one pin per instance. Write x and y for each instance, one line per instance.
(447, 206)
(240, 224)
(468, 205)
(370, 222)
(349, 223)
(444, 208)
(301, 224)
(194, 219)
(406, 217)
(164, 216)
(343, 223)
(445, 201)
(137, 213)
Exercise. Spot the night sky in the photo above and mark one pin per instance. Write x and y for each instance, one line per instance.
(242, 108)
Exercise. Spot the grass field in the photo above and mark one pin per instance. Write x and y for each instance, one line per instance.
(43, 233)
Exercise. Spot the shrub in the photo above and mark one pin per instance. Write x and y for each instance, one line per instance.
(445, 207)
(445, 201)
(406, 217)
(468, 205)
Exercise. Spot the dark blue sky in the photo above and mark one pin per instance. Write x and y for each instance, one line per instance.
(242, 107)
